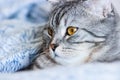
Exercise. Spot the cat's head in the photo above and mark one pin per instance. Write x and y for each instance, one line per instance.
(78, 29)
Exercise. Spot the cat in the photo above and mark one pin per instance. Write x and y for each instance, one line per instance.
(79, 32)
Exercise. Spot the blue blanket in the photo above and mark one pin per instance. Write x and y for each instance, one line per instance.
(20, 22)
(85, 72)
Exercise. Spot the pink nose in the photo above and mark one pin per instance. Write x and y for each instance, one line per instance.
(53, 46)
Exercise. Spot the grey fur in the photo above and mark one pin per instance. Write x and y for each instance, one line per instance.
(97, 37)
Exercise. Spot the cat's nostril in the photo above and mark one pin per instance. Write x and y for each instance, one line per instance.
(54, 46)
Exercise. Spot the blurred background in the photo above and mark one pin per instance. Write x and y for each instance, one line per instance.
(30, 10)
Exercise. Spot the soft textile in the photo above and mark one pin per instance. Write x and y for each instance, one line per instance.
(85, 72)
(20, 22)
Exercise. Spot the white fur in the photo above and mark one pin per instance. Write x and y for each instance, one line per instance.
(74, 56)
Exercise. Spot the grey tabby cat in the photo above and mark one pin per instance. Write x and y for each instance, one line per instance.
(78, 32)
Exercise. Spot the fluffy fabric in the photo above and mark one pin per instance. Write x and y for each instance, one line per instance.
(85, 72)
(20, 23)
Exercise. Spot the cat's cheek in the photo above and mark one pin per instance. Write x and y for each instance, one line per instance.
(70, 57)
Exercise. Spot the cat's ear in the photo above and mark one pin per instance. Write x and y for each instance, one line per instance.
(100, 8)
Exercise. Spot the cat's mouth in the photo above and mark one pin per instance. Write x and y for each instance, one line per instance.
(69, 56)
(69, 61)
(53, 54)
(61, 54)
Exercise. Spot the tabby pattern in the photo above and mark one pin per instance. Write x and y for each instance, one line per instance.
(78, 32)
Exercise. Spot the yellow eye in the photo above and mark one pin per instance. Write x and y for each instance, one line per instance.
(71, 30)
(50, 31)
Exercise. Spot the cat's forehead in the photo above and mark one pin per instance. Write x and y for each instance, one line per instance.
(68, 14)
(80, 20)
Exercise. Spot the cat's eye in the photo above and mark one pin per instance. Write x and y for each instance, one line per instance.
(50, 31)
(71, 30)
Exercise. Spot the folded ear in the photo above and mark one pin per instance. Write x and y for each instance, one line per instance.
(99, 8)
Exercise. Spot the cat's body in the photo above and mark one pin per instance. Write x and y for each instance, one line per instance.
(80, 31)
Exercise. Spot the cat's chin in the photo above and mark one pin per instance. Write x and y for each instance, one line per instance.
(69, 62)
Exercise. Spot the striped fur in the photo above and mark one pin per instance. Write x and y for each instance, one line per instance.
(97, 37)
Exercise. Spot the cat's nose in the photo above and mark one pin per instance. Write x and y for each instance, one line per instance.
(54, 46)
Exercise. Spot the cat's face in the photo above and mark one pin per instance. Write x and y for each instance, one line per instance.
(75, 34)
